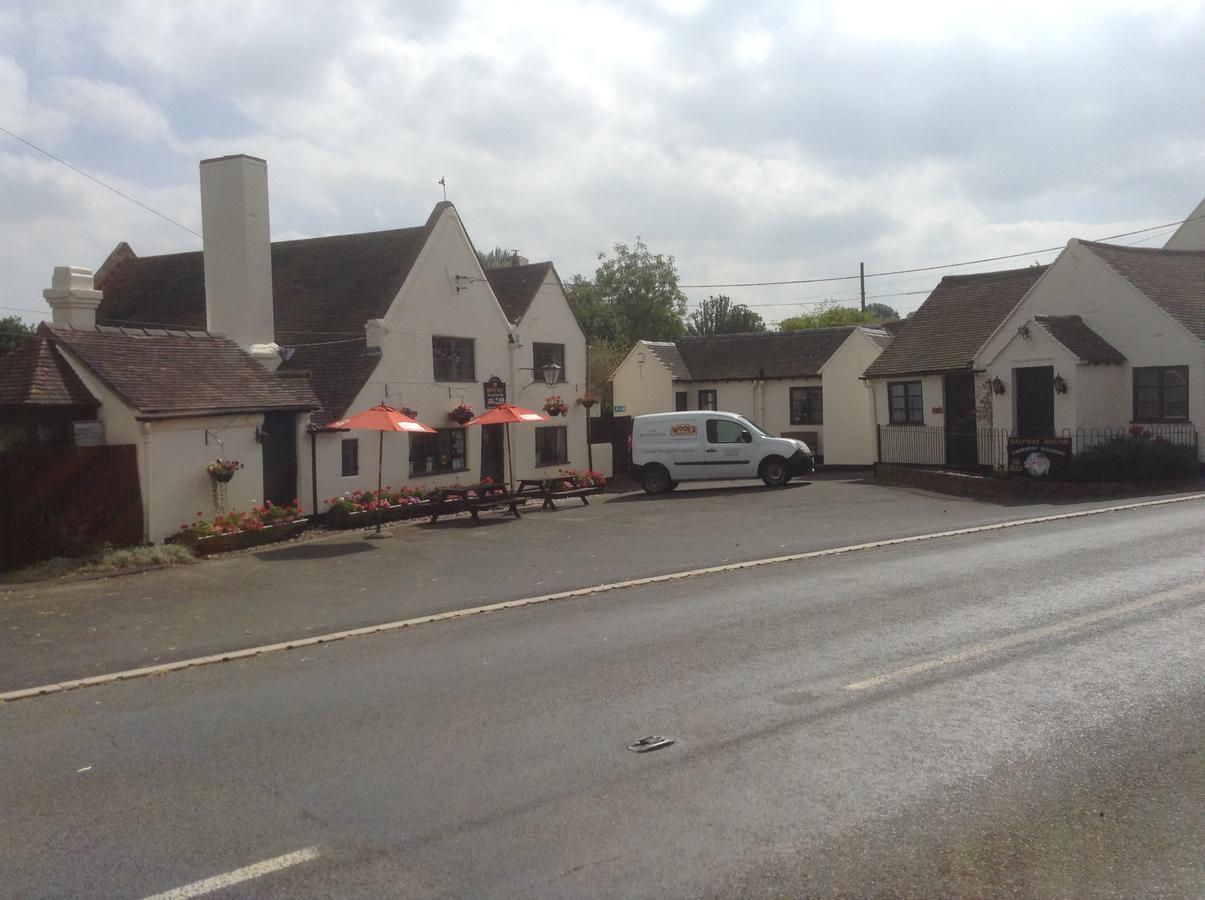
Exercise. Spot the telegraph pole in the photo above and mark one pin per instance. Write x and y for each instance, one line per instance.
(862, 282)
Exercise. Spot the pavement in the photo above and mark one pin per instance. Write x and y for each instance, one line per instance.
(1005, 713)
(58, 631)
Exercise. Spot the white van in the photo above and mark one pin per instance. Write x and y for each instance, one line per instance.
(705, 445)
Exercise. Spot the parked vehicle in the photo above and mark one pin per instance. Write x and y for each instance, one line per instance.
(706, 445)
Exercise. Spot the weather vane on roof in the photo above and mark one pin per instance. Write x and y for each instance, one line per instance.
(442, 183)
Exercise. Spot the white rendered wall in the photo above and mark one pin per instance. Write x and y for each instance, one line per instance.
(849, 434)
(1039, 349)
(643, 386)
(548, 320)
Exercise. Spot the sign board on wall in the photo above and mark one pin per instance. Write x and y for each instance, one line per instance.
(495, 392)
(619, 408)
(1040, 457)
(87, 433)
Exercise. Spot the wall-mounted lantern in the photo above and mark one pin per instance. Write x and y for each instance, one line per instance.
(997, 385)
(1060, 384)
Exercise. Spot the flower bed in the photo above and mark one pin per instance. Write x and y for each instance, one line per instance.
(235, 530)
(358, 509)
(576, 479)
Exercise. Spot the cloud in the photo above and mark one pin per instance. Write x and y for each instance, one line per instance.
(796, 140)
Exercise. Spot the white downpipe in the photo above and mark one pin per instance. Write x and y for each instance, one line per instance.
(147, 506)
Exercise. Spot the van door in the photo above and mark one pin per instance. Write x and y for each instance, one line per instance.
(729, 450)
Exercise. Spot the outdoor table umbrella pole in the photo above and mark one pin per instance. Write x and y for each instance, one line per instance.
(504, 414)
(382, 418)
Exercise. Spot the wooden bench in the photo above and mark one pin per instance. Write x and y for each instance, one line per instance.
(538, 487)
(485, 497)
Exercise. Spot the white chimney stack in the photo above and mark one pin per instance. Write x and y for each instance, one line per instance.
(72, 298)
(238, 254)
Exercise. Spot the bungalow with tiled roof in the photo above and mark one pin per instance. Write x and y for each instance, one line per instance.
(803, 384)
(1104, 338)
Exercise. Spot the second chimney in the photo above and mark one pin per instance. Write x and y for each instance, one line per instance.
(238, 254)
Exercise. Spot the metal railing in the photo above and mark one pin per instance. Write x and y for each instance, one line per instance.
(929, 445)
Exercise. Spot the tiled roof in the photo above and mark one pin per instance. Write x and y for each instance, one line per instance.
(880, 337)
(34, 374)
(769, 354)
(516, 286)
(1076, 336)
(324, 289)
(165, 374)
(954, 322)
(1174, 280)
(667, 354)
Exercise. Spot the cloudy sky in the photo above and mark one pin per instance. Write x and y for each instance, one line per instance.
(754, 141)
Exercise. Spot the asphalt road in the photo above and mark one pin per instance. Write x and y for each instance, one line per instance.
(1010, 713)
(52, 632)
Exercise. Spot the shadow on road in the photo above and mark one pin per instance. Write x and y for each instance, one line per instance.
(693, 493)
(314, 551)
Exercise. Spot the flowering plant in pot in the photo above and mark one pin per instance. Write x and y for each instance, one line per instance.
(461, 414)
(555, 406)
(588, 400)
(223, 469)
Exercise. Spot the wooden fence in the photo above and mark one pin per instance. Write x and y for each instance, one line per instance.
(67, 501)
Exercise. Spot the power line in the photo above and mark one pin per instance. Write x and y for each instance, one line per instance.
(93, 178)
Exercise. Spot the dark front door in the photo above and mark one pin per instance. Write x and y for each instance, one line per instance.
(1035, 401)
(962, 447)
(280, 458)
(493, 452)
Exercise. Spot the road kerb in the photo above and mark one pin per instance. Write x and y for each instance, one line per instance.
(248, 652)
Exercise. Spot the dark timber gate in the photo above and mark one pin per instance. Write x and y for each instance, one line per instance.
(67, 501)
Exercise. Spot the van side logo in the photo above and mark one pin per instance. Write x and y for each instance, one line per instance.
(683, 430)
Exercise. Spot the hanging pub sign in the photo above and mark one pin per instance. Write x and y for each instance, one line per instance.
(495, 392)
(1040, 457)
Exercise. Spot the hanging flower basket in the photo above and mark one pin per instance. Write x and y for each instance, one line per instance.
(555, 406)
(461, 414)
(588, 401)
(222, 470)
(408, 411)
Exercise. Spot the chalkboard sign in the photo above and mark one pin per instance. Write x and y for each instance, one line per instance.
(495, 392)
(1040, 457)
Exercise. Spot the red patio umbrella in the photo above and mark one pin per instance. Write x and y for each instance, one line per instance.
(504, 414)
(382, 418)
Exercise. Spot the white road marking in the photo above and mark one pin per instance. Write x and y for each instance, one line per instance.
(164, 668)
(255, 870)
(1030, 636)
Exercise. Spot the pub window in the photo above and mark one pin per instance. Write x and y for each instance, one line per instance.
(1160, 393)
(435, 454)
(552, 445)
(351, 457)
(708, 400)
(807, 406)
(681, 401)
(545, 354)
(453, 358)
(904, 399)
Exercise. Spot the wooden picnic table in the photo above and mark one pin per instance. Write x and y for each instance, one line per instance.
(540, 487)
(474, 499)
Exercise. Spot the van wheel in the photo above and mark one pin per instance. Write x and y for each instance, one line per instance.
(672, 486)
(774, 472)
(655, 480)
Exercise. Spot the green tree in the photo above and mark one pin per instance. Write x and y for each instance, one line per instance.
(719, 315)
(634, 295)
(496, 258)
(825, 318)
(883, 312)
(13, 332)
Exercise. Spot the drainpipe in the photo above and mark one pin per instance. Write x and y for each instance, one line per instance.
(761, 387)
(314, 467)
(147, 529)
